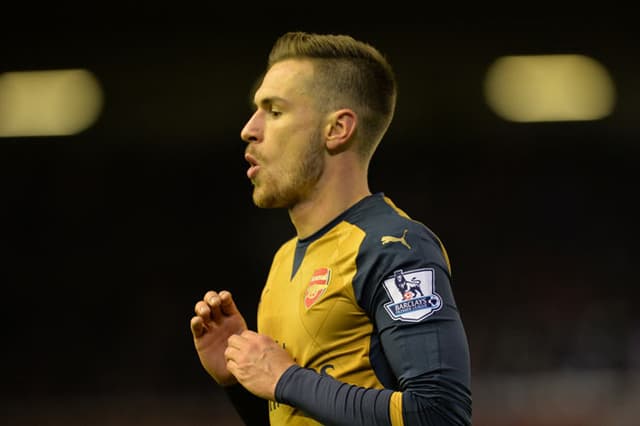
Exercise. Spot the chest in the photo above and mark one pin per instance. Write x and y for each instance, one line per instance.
(315, 309)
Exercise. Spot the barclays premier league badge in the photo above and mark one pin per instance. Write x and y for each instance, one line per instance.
(412, 294)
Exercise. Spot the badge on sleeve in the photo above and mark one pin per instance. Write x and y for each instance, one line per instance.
(412, 294)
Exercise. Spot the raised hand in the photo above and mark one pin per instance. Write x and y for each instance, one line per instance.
(216, 319)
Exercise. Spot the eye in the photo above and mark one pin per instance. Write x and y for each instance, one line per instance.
(274, 112)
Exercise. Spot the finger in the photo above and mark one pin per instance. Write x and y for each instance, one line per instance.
(198, 327)
(232, 353)
(228, 353)
(202, 310)
(232, 366)
(212, 299)
(232, 340)
(250, 334)
(236, 341)
(227, 305)
(209, 296)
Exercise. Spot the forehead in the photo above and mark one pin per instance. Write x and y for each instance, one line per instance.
(285, 79)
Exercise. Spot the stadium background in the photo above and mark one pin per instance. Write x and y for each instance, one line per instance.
(110, 235)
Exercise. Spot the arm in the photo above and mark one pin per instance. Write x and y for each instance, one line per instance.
(421, 356)
(428, 357)
(333, 402)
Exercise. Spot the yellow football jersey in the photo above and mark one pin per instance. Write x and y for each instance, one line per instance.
(348, 302)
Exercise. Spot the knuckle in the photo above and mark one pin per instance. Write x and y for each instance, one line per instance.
(201, 308)
(209, 294)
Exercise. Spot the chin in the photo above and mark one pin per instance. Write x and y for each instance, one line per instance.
(262, 200)
(269, 200)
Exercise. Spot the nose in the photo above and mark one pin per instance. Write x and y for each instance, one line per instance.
(252, 130)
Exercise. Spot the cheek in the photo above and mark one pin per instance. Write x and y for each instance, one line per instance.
(288, 144)
(284, 146)
(287, 161)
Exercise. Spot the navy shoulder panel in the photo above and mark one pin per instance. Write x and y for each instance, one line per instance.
(393, 241)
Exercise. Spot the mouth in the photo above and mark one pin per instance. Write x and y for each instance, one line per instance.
(253, 165)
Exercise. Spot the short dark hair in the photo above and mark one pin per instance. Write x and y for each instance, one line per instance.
(349, 74)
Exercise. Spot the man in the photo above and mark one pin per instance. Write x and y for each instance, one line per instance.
(357, 323)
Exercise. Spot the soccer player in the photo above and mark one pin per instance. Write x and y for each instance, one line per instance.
(357, 323)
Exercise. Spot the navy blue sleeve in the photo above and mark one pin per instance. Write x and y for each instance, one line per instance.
(421, 333)
(429, 360)
(332, 402)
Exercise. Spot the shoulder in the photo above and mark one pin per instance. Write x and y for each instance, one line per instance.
(393, 241)
(390, 230)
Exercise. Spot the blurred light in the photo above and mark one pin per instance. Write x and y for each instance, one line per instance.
(48, 103)
(549, 88)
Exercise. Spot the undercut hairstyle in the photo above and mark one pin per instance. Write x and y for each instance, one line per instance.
(348, 73)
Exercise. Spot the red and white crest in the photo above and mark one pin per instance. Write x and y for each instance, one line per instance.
(317, 286)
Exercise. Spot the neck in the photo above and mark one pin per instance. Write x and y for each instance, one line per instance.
(338, 189)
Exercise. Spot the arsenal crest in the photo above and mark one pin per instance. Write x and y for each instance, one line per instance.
(317, 286)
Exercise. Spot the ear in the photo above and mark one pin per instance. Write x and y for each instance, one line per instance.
(340, 129)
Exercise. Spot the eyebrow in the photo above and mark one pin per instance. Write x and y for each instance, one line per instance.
(269, 100)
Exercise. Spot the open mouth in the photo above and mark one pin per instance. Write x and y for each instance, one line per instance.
(253, 165)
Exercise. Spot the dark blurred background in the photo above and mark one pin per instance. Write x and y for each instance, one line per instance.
(110, 236)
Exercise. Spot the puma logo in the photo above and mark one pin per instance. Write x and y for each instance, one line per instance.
(390, 239)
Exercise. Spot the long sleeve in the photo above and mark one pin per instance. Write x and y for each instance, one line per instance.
(332, 402)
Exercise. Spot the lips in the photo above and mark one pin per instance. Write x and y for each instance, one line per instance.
(253, 165)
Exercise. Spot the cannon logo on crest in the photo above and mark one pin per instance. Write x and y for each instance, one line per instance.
(317, 286)
(412, 295)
